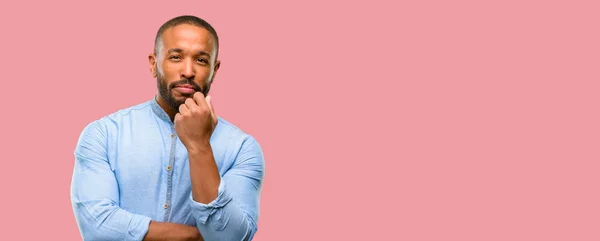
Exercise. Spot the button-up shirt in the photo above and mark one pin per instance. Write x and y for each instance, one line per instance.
(131, 168)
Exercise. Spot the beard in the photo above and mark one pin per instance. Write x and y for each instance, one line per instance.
(166, 93)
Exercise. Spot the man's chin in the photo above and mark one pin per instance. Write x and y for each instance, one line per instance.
(177, 100)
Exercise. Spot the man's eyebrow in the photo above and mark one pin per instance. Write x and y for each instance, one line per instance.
(204, 53)
(176, 50)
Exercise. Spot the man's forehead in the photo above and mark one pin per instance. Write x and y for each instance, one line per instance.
(186, 34)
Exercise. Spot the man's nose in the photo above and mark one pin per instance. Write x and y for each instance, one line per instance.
(188, 70)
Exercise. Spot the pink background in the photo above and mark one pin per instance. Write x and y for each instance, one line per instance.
(436, 120)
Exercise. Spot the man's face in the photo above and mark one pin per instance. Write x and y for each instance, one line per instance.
(185, 64)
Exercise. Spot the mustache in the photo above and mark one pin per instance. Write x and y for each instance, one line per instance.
(185, 81)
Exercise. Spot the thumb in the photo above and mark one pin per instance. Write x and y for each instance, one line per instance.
(212, 109)
(176, 119)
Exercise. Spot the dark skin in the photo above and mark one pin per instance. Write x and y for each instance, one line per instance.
(186, 66)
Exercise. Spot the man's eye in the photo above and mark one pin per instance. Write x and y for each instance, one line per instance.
(174, 57)
(202, 60)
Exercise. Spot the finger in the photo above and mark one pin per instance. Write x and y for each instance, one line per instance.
(200, 101)
(191, 104)
(176, 119)
(183, 109)
(211, 107)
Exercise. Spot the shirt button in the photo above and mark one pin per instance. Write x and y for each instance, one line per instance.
(172, 136)
(168, 168)
(166, 206)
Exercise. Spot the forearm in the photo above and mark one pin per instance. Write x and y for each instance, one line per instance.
(232, 213)
(204, 174)
(225, 218)
(159, 231)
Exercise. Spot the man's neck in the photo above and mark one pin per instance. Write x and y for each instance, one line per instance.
(166, 107)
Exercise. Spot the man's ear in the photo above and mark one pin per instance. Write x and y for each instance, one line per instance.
(217, 65)
(152, 62)
(212, 79)
(216, 68)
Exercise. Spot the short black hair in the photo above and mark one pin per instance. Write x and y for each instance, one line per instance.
(186, 19)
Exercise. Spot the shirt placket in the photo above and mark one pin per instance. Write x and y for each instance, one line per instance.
(169, 167)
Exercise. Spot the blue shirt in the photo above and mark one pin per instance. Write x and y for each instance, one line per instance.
(131, 168)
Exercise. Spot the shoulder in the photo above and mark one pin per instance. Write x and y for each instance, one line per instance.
(100, 127)
(231, 132)
(128, 113)
(118, 116)
(246, 145)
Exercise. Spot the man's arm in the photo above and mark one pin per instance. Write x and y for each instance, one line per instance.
(235, 210)
(231, 201)
(159, 231)
(95, 198)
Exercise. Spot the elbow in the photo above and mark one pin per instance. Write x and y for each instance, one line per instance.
(88, 236)
(94, 226)
(89, 229)
(91, 232)
(242, 229)
(252, 229)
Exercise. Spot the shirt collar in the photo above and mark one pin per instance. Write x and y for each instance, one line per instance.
(159, 111)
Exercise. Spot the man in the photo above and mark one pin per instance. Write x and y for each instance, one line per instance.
(169, 168)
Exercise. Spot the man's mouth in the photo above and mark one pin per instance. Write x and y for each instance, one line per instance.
(185, 89)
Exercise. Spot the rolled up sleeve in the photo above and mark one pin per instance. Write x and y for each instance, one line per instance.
(95, 196)
(233, 215)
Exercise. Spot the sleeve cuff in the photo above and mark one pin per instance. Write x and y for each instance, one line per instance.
(138, 227)
(203, 211)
